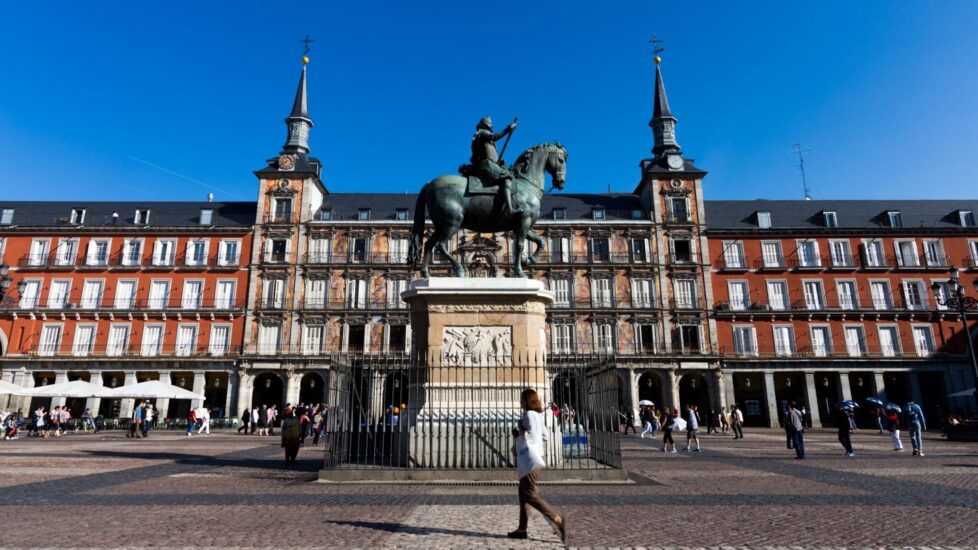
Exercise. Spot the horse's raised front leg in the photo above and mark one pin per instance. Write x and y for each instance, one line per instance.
(429, 247)
(441, 237)
(538, 241)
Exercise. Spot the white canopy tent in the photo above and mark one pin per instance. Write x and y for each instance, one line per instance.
(153, 389)
(6, 388)
(75, 388)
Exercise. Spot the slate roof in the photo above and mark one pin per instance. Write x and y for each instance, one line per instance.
(162, 214)
(383, 206)
(852, 214)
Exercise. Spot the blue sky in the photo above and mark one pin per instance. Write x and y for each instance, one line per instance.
(172, 100)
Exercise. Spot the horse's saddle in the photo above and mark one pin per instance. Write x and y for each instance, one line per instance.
(477, 184)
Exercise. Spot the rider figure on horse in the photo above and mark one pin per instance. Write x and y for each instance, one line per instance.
(486, 162)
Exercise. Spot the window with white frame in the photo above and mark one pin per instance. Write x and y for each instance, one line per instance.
(141, 217)
(3, 247)
(273, 293)
(229, 252)
(640, 250)
(685, 290)
(398, 250)
(873, 253)
(395, 287)
(941, 294)
(29, 298)
(689, 338)
(934, 253)
(40, 248)
(312, 339)
(821, 337)
(164, 252)
(604, 339)
(915, 295)
(125, 294)
(678, 209)
(562, 337)
(358, 249)
(764, 220)
(196, 252)
(562, 292)
(600, 249)
(601, 295)
(829, 219)
(193, 295)
(894, 218)
(973, 249)
(848, 296)
(363, 214)
(772, 255)
(889, 340)
(739, 295)
(841, 254)
(67, 252)
(906, 253)
(152, 342)
(777, 295)
(784, 340)
(808, 255)
(682, 249)
(186, 340)
(814, 294)
(6, 216)
(316, 293)
(98, 252)
(118, 341)
(77, 216)
(84, 340)
(642, 295)
(745, 341)
(646, 337)
(132, 252)
(881, 294)
(356, 293)
(966, 218)
(220, 342)
(923, 340)
(206, 216)
(91, 296)
(320, 250)
(159, 293)
(855, 340)
(50, 342)
(58, 293)
(224, 291)
(560, 248)
(269, 337)
(733, 255)
(401, 214)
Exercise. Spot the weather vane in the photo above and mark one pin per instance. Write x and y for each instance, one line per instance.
(656, 48)
(305, 52)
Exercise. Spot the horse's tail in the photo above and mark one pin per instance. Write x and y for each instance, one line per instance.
(417, 230)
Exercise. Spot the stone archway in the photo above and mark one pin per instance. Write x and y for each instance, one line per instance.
(395, 390)
(650, 388)
(268, 389)
(694, 390)
(312, 389)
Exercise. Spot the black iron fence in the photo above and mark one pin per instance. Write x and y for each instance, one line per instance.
(394, 412)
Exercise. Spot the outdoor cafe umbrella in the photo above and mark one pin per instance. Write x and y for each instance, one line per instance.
(646, 403)
(75, 388)
(154, 389)
(874, 401)
(6, 388)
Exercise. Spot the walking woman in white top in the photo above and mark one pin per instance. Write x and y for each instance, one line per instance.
(531, 433)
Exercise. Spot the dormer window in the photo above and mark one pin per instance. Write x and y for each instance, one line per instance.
(894, 218)
(401, 214)
(636, 214)
(597, 213)
(967, 218)
(141, 217)
(6, 216)
(764, 220)
(77, 216)
(560, 213)
(830, 219)
(363, 214)
(206, 216)
(325, 214)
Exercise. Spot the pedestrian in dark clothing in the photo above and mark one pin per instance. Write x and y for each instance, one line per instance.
(842, 422)
(711, 423)
(245, 421)
(794, 419)
(291, 436)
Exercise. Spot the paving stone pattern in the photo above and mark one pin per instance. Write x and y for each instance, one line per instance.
(226, 490)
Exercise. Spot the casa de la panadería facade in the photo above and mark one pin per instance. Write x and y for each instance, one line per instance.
(701, 302)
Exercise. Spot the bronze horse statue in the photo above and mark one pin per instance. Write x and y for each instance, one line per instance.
(451, 208)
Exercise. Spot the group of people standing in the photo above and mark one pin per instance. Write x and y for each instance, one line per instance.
(654, 419)
(312, 419)
(913, 418)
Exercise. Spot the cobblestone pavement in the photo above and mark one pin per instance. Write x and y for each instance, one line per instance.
(226, 490)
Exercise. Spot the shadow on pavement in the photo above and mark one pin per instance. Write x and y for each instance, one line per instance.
(232, 460)
(412, 529)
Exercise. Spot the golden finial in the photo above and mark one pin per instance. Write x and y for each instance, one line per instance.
(658, 60)
(305, 60)
(656, 48)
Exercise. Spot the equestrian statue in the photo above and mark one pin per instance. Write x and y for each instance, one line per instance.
(487, 198)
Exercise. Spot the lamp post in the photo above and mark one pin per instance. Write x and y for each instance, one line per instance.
(956, 299)
(5, 281)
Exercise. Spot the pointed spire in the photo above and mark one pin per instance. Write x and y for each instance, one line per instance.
(663, 123)
(298, 122)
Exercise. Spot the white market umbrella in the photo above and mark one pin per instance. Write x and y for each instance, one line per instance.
(153, 389)
(646, 403)
(6, 388)
(963, 393)
(75, 388)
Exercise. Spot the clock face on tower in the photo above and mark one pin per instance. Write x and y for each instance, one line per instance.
(675, 162)
(286, 162)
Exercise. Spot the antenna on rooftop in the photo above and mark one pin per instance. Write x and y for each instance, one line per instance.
(798, 150)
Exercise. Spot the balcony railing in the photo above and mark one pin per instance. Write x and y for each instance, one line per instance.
(122, 261)
(315, 304)
(131, 350)
(825, 306)
(809, 264)
(777, 264)
(731, 264)
(809, 352)
(108, 304)
(277, 217)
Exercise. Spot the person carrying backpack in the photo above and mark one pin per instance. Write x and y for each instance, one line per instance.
(915, 422)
